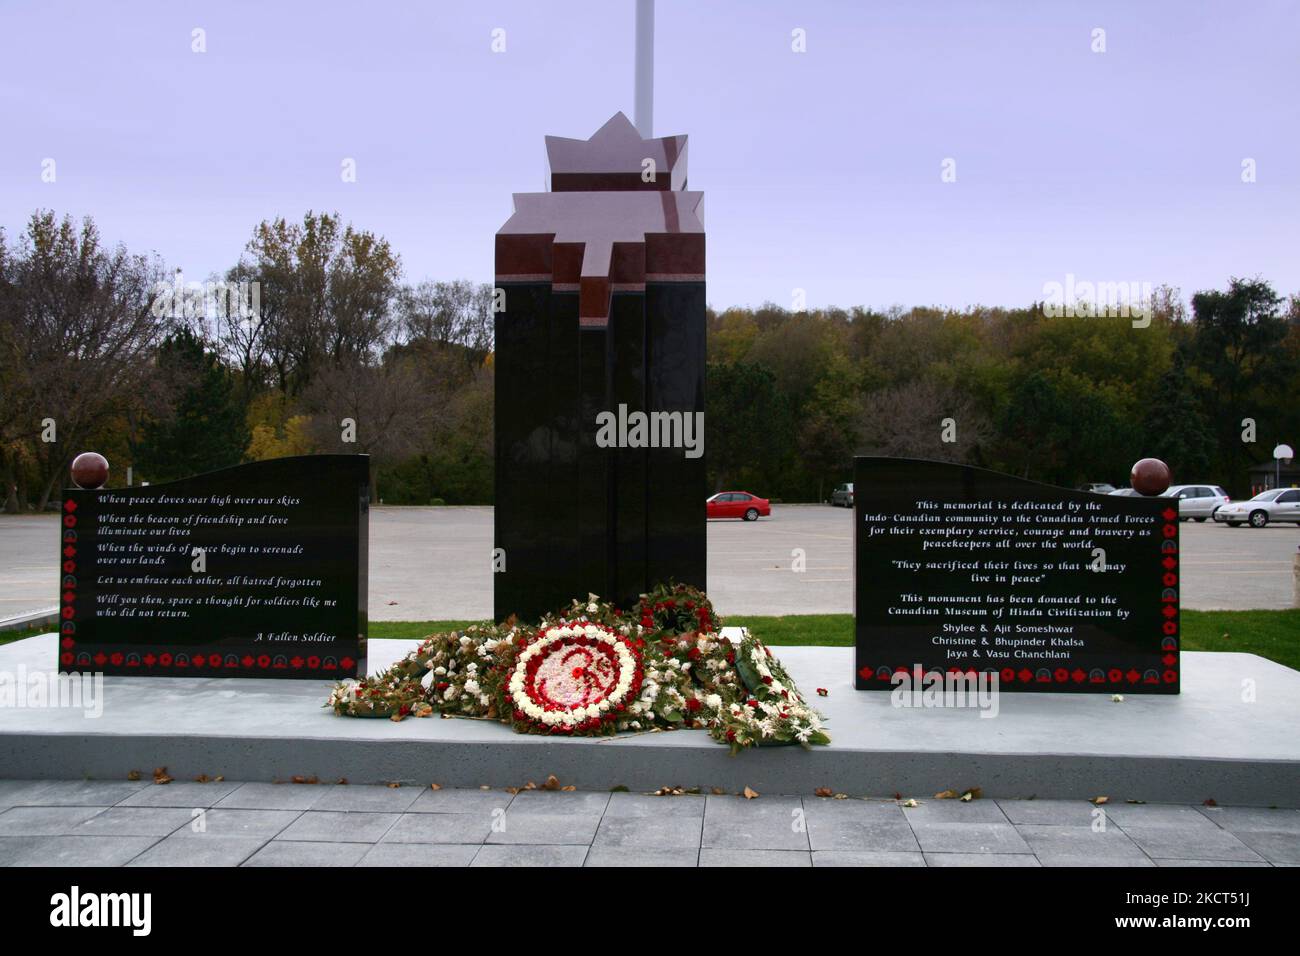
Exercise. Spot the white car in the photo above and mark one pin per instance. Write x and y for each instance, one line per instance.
(1198, 501)
(1276, 504)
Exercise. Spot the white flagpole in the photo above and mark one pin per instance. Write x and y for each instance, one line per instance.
(645, 68)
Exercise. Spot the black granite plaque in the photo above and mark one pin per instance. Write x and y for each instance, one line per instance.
(253, 571)
(960, 569)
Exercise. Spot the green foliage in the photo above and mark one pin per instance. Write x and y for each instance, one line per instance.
(206, 429)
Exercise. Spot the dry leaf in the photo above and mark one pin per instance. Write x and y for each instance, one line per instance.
(219, 778)
(1210, 802)
(749, 794)
(974, 793)
(133, 775)
(393, 785)
(569, 789)
(717, 791)
(512, 790)
(202, 778)
(530, 785)
(160, 775)
(946, 795)
(823, 792)
(435, 786)
(552, 783)
(841, 796)
(1098, 801)
(343, 781)
(910, 803)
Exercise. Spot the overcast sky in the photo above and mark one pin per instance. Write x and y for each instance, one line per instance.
(821, 170)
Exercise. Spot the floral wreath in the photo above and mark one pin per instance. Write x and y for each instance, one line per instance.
(677, 609)
(575, 677)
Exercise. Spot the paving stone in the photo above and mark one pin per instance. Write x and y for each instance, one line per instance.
(857, 825)
(1197, 843)
(971, 837)
(14, 847)
(767, 823)
(625, 856)
(537, 855)
(955, 811)
(1057, 813)
(1276, 847)
(865, 858)
(85, 851)
(545, 828)
(304, 853)
(647, 804)
(460, 801)
(1081, 843)
(263, 824)
(75, 793)
(981, 859)
(275, 796)
(1238, 819)
(419, 854)
(44, 821)
(728, 856)
(335, 826)
(1073, 861)
(135, 821)
(180, 794)
(664, 832)
(19, 793)
(1148, 815)
(199, 850)
(440, 828)
(369, 798)
(1210, 863)
(558, 801)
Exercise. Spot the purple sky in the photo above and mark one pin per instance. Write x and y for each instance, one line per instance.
(821, 170)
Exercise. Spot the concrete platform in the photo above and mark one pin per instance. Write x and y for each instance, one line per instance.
(1207, 743)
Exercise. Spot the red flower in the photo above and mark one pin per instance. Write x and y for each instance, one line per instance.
(693, 705)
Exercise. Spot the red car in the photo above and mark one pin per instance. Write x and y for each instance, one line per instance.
(738, 504)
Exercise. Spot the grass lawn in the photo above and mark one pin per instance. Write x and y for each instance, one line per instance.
(1271, 634)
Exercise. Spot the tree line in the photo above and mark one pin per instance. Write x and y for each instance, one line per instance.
(314, 341)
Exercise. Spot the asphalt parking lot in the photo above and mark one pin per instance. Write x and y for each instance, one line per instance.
(435, 563)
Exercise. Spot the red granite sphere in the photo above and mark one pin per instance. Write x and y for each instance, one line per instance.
(90, 470)
(1150, 477)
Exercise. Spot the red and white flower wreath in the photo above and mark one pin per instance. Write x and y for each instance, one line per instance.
(575, 677)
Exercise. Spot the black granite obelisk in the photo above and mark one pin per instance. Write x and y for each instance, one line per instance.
(603, 281)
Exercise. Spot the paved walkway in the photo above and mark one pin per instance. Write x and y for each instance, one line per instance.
(94, 823)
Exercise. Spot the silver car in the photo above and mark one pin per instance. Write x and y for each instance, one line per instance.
(1198, 501)
(1276, 504)
(843, 495)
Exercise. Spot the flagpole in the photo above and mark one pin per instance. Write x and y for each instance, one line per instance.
(644, 106)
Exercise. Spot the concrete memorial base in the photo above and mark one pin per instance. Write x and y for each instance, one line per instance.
(1207, 743)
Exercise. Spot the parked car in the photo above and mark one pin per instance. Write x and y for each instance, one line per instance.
(738, 504)
(1098, 487)
(1125, 492)
(1276, 504)
(843, 496)
(1197, 501)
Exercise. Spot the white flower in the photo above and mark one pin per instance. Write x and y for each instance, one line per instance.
(440, 671)
(471, 686)
(713, 701)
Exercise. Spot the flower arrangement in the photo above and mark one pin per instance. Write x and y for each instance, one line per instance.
(593, 668)
(575, 677)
